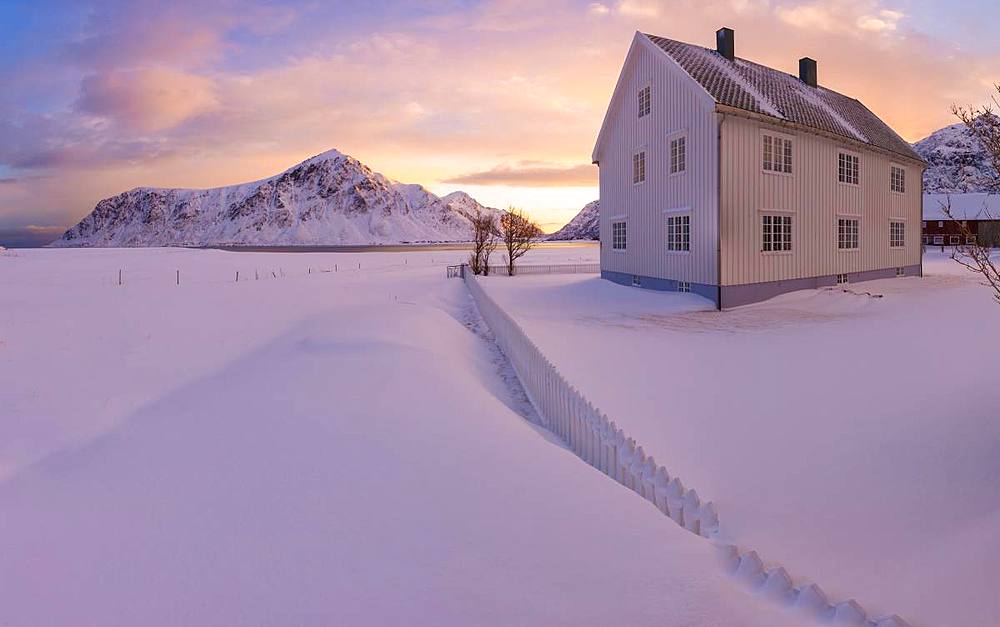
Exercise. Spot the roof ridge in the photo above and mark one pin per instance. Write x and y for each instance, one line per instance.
(717, 60)
(758, 88)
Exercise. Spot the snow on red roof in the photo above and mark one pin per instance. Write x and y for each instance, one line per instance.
(963, 206)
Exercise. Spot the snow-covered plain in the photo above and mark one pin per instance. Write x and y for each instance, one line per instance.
(324, 448)
(853, 440)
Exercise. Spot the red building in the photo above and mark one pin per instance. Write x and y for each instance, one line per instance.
(979, 213)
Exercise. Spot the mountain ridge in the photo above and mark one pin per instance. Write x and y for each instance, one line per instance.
(585, 225)
(957, 162)
(328, 199)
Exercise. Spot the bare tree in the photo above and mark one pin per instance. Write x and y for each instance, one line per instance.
(983, 125)
(484, 241)
(976, 253)
(519, 235)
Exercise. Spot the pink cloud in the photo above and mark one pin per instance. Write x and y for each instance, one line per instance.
(147, 100)
(434, 99)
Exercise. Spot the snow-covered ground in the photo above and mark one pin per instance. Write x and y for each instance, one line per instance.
(333, 448)
(853, 440)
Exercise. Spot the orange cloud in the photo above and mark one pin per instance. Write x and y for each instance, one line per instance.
(442, 100)
(531, 174)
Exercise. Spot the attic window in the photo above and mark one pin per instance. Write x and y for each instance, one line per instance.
(644, 101)
(777, 154)
(897, 179)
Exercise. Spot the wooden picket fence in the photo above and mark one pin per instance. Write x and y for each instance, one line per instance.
(601, 443)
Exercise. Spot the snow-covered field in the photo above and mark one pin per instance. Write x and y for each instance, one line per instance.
(852, 439)
(325, 448)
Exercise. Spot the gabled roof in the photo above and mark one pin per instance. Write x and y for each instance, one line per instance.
(753, 87)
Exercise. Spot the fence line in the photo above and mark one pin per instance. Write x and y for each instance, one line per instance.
(558, 268)
(589, 433)
(598, 441)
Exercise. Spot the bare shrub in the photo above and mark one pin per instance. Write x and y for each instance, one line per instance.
(519, 234)
(484, 241)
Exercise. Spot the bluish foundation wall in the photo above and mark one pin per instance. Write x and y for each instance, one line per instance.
(711, 292)
(736, 295)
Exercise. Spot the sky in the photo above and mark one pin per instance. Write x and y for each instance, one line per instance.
(500, 98)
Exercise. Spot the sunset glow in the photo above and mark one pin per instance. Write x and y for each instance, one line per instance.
(500, 98)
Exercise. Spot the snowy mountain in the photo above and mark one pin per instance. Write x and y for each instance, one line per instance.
(329, 199)
(586, 224)
(957, 163)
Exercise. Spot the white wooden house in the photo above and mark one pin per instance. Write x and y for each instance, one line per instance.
(739, 182)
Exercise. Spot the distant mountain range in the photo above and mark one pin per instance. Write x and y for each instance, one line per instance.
(957, 162)
(585, 225)
(333, 198)
(329, 199)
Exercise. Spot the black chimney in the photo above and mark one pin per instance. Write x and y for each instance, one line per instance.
(807, 71)
(724, 43)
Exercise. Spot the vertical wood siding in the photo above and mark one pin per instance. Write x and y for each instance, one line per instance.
(814, 198)
(678, 104)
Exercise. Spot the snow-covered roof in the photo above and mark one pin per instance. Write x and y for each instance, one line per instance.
(963, 206)
(759, 89)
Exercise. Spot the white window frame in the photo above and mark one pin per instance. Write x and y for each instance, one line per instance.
(939, 240)
(843, 278)
(849, 154)
(902, 239)
(892, 179)
(857, 234)
(619, 220)
(971, 240)
(668, 214)
(680, 166)
(776, 213)
(766, 133)
(639, 166)
(684, 287)
(954, 240)
(648, 109)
